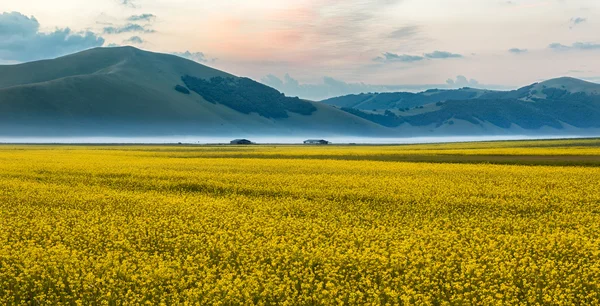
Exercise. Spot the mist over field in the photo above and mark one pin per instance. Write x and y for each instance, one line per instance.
(272, 139)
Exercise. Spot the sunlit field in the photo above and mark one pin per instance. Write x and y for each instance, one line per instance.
(491, 223)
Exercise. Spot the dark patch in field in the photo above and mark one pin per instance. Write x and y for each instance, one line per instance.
(528, 160)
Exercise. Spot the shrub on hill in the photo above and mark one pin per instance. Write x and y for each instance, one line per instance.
(389, 119)
(400, 100)
(576, 109)
(248, 96)
(501, 113)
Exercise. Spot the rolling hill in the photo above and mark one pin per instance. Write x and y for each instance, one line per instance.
(557, 106)
(402, 100)
(129, 92)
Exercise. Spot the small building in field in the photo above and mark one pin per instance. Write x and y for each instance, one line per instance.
(241, 142)
(316, 141)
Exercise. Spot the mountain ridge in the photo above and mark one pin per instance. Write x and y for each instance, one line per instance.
(127, 91)
(391, 100)
(559, 104)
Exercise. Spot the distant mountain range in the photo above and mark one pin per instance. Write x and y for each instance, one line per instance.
(129, 92)
(557, 106)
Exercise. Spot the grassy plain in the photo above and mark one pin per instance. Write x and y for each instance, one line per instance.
(474, 223)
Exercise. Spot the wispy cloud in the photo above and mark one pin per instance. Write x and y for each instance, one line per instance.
(128, 28)
(558, 47)
(575, 21)
(330, 87)
(142, 17)
(129, 3)
(517, 51)
(462, 81)
(323, 29)
(442, 55)
(575, 46)
(403, 58)
(199, 57)
(404, 32)
(586, 46)
(134, 40)
(389, 57)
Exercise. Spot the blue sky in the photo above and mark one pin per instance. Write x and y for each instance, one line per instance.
(320, 48)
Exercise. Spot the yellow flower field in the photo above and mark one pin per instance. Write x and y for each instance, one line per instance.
(295, 225)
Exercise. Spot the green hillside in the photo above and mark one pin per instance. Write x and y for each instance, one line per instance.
(403, 100)
(554, 104)
(127, 91)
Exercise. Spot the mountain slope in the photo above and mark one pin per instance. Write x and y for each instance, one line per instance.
(130, 92)
(556, 104)
(403, 100)
(572, 85)
(127, 91)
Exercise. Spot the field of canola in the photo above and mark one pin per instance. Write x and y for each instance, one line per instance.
(292, 225)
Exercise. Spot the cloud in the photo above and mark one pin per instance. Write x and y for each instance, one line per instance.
(142, 17)
(461, 81)
(442, 55)
(557, 46)
(576, 21)
(199, 57)
(130, 3)
(389, 57)
(273, 81)
(517, 51)
(575, 46)
(327, 28)
(18, 24)
(404, 32)
(21, 39)
(330, 87)
(403, 58)
(579, 71)
(129, 28)
(585, 46)
(134, 40)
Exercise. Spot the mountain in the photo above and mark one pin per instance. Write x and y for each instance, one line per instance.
(562, 105)
(129, 92)
(402, 100)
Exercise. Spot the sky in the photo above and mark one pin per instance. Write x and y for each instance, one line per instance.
(322, 48)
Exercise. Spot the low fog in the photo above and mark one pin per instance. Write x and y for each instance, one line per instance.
(270, 139)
